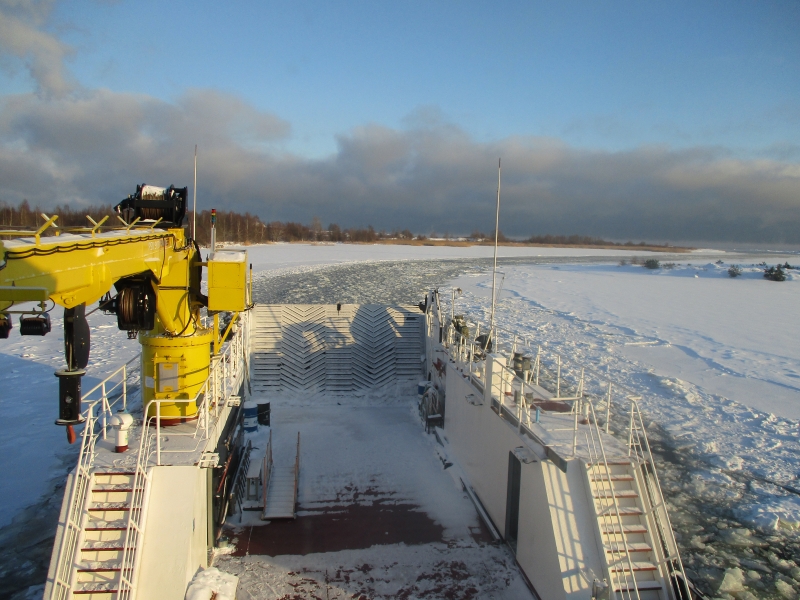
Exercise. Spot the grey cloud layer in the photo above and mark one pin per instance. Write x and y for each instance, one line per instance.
(95, 146)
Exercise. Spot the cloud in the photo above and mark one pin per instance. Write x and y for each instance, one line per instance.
(95, 146)
(22, 38)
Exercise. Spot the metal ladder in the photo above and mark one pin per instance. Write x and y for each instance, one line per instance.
(640, 554)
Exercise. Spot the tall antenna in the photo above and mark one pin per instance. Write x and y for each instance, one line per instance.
(194, 208)
(494, 271)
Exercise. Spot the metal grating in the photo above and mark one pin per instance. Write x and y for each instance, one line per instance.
(321, 348)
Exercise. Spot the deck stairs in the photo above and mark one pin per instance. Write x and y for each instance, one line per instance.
(97, 566)
(624, 523)
(281, 495)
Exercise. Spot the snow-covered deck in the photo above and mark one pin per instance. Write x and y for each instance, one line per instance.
(380, 514)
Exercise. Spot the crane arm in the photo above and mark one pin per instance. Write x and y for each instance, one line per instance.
(75, 269)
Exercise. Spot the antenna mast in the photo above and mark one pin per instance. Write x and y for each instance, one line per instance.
(194, 189)
(494, 271)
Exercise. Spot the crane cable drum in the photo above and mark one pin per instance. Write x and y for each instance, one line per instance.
(151, 203)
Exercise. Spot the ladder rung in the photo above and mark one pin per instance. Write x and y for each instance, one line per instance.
(622, 566)
(614, 462)
(616, 494)
(642, 586)
(603, 477)
(104, 545)
(629, 548)
(626, 529)
(624, 511)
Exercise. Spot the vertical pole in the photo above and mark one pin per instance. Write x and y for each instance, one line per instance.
(216, 333)
(575, 431)
(494, 269)
(608, 407)
(213, 230)
(124, 387)
(194, 190)
(158, 434)
(630, 432)
(558, 376)
(105, 409)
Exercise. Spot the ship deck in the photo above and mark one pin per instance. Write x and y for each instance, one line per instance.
(380, 514)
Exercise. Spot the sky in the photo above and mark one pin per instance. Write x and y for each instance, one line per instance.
(626, 120)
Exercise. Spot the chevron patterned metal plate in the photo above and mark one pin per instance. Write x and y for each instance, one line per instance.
(321, 348)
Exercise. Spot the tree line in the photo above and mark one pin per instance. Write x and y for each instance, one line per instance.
(246, 228)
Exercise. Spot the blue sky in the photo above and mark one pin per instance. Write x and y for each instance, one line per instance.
(611, 79)
(607, 75)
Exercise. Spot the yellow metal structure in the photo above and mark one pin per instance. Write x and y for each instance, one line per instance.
(76, 268)
(227, 280)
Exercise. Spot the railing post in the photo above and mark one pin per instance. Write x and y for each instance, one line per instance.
(630, 432)
(125, 387)
(575, 429)
(538, 362)
(558, 376)
(105, 408)
(158, 433)
(608, 407)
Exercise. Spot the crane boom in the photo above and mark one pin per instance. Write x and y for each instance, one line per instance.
(156, 274)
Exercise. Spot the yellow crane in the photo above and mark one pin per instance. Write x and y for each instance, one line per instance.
(156, 271)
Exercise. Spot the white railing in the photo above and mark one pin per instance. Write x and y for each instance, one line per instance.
(653, 496)
(609, 513)
(554, 377)
(114, 390)
(226, 375)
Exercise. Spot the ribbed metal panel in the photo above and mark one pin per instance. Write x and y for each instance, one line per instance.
(319, 348)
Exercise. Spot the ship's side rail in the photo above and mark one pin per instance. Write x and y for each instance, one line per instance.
(543, 382)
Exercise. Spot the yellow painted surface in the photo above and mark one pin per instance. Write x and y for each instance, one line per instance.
(227, 281)
(77, 268)
(161, 357)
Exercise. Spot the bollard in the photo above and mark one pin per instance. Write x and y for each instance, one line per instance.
(121, 422)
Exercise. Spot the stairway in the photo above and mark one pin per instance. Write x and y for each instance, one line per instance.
(281, 497)
(627, 541)
(100, 545)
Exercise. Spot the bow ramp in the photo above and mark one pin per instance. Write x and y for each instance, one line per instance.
(333, 348)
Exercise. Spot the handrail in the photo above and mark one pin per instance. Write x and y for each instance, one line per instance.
(78, 493)
(659, 509)
(296, 472)
(610, 499)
